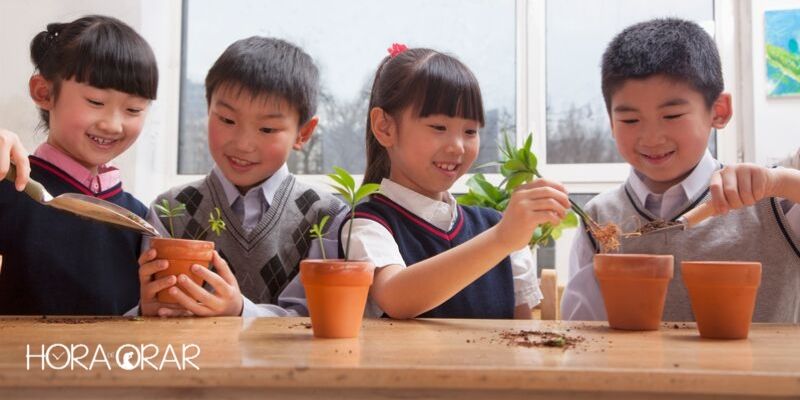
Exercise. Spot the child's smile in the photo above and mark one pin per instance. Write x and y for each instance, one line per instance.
(661, 128)
(94, 125)
(658, 158)
(448, 168)
(250, 139)
(240, 164)
(430, 153)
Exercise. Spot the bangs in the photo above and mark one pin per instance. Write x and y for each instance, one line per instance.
(111, 59)
(447, 87)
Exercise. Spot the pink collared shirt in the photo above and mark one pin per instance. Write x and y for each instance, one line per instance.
(107, 176)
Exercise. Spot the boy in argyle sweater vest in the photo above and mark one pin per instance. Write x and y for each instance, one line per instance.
(262, 95)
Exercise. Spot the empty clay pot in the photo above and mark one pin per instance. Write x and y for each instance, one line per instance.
(181, 255)
(634, 288)
(723, 296)
(336, 291)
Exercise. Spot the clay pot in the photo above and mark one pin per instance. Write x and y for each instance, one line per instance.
(634, 288)
(181, 255)
(336, 291)
(723, 296)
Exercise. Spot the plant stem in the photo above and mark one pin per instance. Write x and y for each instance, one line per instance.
(322, 247)
(350, 230)
(203, 232)
(171, 228)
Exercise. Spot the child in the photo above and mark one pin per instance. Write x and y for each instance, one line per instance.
(662, 83)
(435, 258)
(262, 97)
(95, 78)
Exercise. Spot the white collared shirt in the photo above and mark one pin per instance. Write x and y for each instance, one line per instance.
(371, 241)
(252, 206)
(582, 299)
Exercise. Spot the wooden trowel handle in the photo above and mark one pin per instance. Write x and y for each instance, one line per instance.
(33, 189)
(699, 214)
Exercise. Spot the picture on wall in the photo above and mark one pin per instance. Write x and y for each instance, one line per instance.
(781, 37)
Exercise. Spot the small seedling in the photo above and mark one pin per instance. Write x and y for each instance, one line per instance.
(318, 230)
(346, 186)
(166, 210)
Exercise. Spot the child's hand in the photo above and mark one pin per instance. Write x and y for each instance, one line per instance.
(149, 288)
(226, 299)
(740, 185)
(531, 205)
(11, 150)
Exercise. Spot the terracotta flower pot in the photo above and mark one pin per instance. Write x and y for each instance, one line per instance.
(181, 255)
(336, 291)
(723, 296)
(634, 288)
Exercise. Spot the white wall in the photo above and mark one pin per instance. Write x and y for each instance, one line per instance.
(21, 20)
(775, 121)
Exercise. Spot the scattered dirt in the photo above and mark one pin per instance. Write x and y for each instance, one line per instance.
(655, 225)
(525, 338)
(306, 325)
(75, 321)
(675, 325)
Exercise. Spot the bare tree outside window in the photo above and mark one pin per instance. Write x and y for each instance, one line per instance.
(347, 39)
(577, 33)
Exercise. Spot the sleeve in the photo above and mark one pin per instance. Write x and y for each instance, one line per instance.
(371, 241)
(291, 303)
(526, 284)
(582, 299)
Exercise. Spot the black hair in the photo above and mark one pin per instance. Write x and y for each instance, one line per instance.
(428, 81)
(268, 67)
(100, 51)
(678, 49)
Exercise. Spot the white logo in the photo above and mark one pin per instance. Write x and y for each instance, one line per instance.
(129, 357)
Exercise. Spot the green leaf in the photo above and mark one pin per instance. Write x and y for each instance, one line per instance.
(338, 181)
(518, 179)
(490, 190)
(515, 165)
(570, 220)
(508, 148)
(469, 199)
(163, 212)
(349, 182)
(528, 143)
(489, 164)
(216, 223)
(475, 186)
(348, 197)
(366, 190)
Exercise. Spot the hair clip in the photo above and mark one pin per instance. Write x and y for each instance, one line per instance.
(396, 49)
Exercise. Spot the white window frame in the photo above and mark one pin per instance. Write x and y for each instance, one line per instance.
(731, 29)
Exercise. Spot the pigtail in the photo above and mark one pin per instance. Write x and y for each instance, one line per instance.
(378, 165)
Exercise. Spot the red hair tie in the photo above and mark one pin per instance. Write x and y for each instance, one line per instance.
(396, 49)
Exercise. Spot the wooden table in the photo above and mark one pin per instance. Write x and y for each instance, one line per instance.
(467, 359)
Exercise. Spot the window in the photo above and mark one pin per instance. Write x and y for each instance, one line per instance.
(576, 35)
(348, 39)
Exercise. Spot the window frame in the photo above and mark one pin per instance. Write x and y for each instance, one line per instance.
(730, 26)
